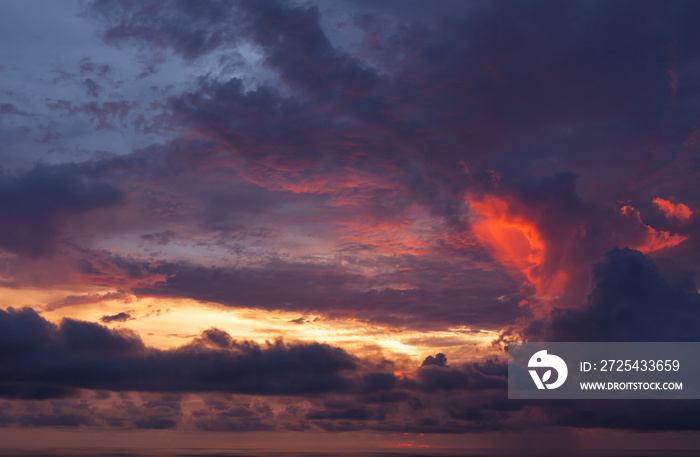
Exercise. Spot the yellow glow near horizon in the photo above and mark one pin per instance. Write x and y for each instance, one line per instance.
(168, 323)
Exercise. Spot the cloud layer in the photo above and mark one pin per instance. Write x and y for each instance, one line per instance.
(483, 168)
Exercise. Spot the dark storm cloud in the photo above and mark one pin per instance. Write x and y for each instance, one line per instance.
(299, 49)
(300, 139)
(508, 66)
(291, 35)
(35, 204)
(41, 360)
(543, 85)
(477, 401)
(418, 404)
(629, 301)
(262, 125)
(291, 144)
(545, 80)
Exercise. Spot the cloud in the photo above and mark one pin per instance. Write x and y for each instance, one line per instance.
(326, 288)
(103, 114)
(62, 375)
(673, 210)
(160, 238)
(35, 205)
(446, 165)
(629, 301)
(92, 87)
(367, 141)
(9, 108)
(439, 360)
(120, 317)
(343, 144)
(85, 355)
(546, 234)
(291, 36)
(229, 424)
(88, 268)
(343, 414)
(468, 377)
(191, 30)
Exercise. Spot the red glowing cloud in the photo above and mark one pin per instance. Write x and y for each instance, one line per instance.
(673, 210)
(655, 239)
(515, 242)
(394, 238)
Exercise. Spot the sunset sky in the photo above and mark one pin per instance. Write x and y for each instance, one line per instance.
(316, 225)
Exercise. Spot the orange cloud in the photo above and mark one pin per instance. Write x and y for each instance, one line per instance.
(672, 210)
(516, 242)
(656, 239)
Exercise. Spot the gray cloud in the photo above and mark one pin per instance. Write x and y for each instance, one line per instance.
(36, 203)
(88, 356)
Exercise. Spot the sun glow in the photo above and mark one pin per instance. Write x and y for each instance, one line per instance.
(168, 323)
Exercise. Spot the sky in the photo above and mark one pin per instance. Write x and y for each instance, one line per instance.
(317, 225)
